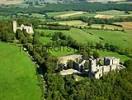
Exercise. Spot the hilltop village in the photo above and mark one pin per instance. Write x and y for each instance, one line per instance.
(92, 67)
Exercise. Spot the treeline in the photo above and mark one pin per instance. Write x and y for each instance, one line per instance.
(54, 26)
(92, 20)
(6, 32)
(90, 7)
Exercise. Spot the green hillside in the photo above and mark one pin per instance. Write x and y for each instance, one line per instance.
(18, 79)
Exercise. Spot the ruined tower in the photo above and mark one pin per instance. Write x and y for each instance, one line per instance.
(14, 26)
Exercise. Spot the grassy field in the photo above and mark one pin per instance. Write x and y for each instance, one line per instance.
(112, 54)
(18, 80)
(8, 2)
(121, 39)
(83, 36)
(102, 14)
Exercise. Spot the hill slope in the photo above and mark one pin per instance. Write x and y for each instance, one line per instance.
(18, 80)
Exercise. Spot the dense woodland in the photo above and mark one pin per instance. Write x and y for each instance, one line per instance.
(90, 7)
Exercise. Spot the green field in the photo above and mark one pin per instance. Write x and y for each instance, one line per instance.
(115, 13)
(118, 38)
(112, 54)
(18, 79)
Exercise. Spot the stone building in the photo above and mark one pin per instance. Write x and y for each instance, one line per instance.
(110, 64)
(95, 69)
(28, 29)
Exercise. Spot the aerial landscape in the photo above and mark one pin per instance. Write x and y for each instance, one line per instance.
(65, 49)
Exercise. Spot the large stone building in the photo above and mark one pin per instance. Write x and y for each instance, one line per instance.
(94, 69)
(28, 29)
(110, 64)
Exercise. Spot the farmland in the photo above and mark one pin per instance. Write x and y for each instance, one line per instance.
(99, 14)
(126, 25)
(8, 2)
(18, 80)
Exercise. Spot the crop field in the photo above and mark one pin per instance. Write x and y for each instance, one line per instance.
(18, 79)
(72, 23)
(112, 27)
(65, 14)
(8, 2)
(78, 23)
(103, 14)
(126, 25)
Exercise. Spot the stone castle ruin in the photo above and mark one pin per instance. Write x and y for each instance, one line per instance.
(28, 29)
(95, 69)
(110, 64)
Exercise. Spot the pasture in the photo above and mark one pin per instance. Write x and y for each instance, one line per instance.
(112, 54)
(8, 2)
(18, 79)
(83, 36)
(118, 38)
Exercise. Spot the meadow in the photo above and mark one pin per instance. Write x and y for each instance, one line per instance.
(18, 79)
(118, 38)
(83, 36)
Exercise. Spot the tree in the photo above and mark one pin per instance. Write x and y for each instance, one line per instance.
(95, 54)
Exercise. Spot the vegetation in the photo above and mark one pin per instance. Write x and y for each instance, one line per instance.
(18, 78)
(55, 37)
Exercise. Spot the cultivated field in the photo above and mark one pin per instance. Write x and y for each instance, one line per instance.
(8, 2)
(72, 23)
(103, 14)
(126, 25)
(65, 14)
(18, 80)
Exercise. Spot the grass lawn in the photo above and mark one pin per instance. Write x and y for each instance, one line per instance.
(18, 80)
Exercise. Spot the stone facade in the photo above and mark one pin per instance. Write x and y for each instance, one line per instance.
(95, 69)
(110, 64)
(28, 29)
